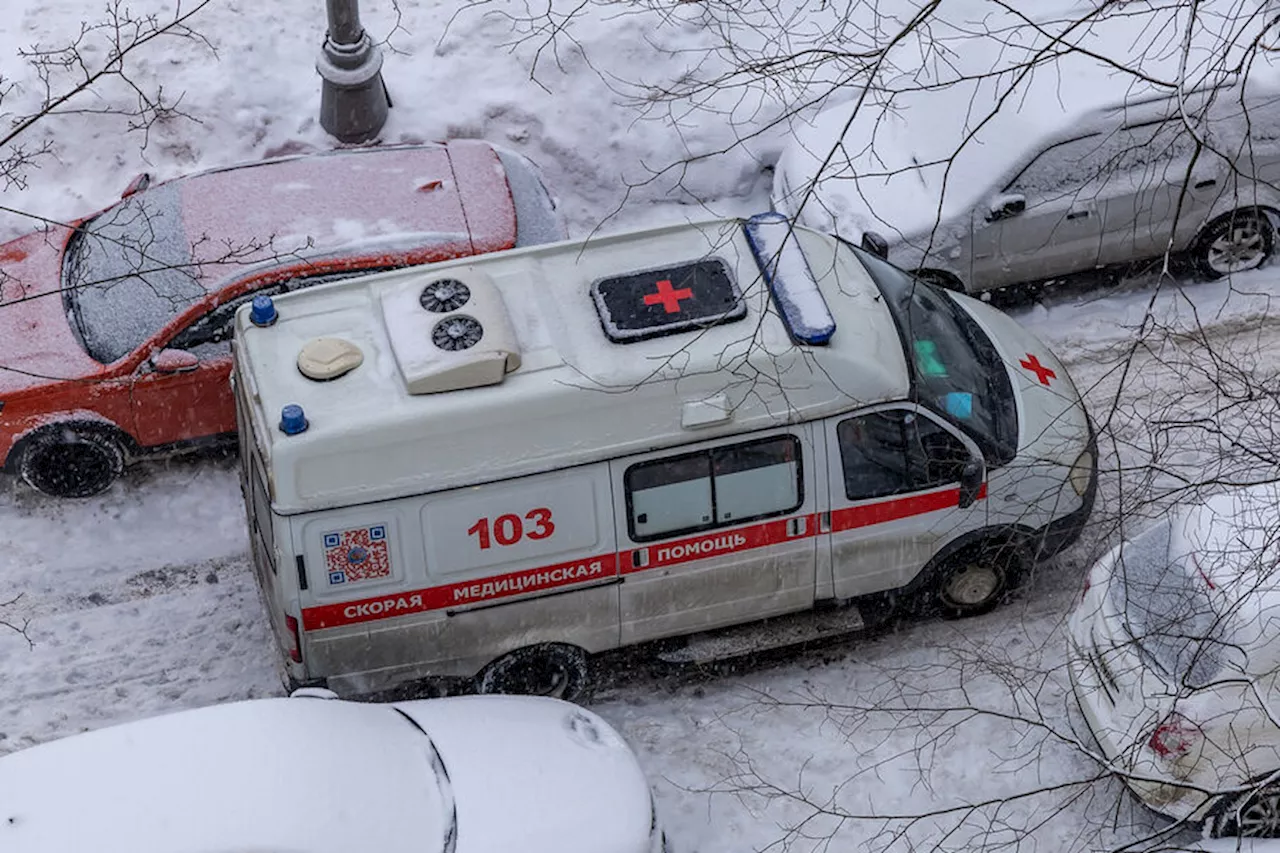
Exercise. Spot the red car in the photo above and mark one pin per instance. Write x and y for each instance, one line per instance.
(115, 331)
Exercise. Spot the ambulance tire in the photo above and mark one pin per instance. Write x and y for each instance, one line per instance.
(557, 670)
(975, 579)
(71, 460)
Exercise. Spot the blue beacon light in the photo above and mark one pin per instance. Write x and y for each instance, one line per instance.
(293, 420)
(263, 312)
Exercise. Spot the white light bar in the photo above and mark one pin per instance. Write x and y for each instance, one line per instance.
(795, 291)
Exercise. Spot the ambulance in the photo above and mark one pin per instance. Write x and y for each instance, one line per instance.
(724, 435)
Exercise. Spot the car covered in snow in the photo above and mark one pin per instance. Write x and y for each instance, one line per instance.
(1175, 660)
(115, 331)
(472, 774)
(1016, 164)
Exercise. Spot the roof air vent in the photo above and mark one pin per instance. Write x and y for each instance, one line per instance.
(439, 348)
(456, 333)
(444, 294)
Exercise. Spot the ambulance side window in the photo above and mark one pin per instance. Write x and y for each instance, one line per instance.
(713, 488)
(757, 479)
(893, 452)
(669, 495)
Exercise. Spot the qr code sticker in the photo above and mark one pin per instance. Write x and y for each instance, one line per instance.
(357, 555)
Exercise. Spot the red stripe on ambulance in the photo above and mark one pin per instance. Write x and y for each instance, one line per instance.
(672, 553)
(716, 544)
(898, 508)
(468, 592)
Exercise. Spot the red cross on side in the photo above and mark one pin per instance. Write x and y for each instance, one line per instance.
(1042, 373)
(669, 298)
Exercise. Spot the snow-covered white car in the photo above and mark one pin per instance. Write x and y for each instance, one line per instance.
(1175, 660)
(1014, 164)
(478, 774)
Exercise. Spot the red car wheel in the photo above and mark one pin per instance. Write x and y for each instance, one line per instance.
(71, 462)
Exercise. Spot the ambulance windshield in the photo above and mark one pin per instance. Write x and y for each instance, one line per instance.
(956, 370)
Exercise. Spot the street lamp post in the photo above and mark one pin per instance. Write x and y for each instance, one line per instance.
(353, 98)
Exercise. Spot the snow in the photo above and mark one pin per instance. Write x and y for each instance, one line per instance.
(141, 600)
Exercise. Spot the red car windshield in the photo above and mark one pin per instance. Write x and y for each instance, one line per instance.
(128, 271)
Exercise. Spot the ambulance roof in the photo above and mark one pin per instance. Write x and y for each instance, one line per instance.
(597, 348)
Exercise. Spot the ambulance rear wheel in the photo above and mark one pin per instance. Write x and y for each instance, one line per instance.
(552, 669)
(975, 579)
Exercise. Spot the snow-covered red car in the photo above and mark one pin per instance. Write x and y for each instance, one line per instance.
(115, 330)
(471, 774)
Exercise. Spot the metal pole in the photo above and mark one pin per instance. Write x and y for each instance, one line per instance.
(353, 98)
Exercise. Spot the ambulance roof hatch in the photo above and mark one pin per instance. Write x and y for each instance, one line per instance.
(449, 332)
(651, 303)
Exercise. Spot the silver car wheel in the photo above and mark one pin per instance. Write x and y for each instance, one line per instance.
(1242, 248)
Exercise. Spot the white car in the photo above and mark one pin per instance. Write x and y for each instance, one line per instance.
(1008, 163)
(478, 774)
(1175, 660)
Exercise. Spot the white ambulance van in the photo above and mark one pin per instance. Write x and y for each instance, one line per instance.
(491, 469)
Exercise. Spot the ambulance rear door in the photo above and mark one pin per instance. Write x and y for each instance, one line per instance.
(718, 534)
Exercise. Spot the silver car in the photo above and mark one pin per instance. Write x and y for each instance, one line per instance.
(979, 182)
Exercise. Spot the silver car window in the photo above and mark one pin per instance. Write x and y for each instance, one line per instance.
(1059, 166)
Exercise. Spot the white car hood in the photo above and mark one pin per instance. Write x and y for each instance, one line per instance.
(537, 775)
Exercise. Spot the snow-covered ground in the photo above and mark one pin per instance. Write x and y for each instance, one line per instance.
(140, 601)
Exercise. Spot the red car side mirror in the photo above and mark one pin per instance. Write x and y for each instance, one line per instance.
(173, 361)
(137, 185)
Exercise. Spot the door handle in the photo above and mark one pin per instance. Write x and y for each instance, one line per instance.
(1078, 214)
(1205, 184)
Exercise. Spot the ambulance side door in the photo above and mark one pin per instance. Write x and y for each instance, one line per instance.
(898, 477)
(527, 561)
(716, 535)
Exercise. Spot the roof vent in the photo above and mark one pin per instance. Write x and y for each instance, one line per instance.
(456, 333)
(323, 359)
(444, 294)
(440, 348)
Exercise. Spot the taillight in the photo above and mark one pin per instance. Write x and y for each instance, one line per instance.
(1088, 582)
(1175, 737)
(295, 640)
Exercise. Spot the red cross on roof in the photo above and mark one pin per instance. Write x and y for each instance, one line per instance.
(1042, 373)
(669, 298)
